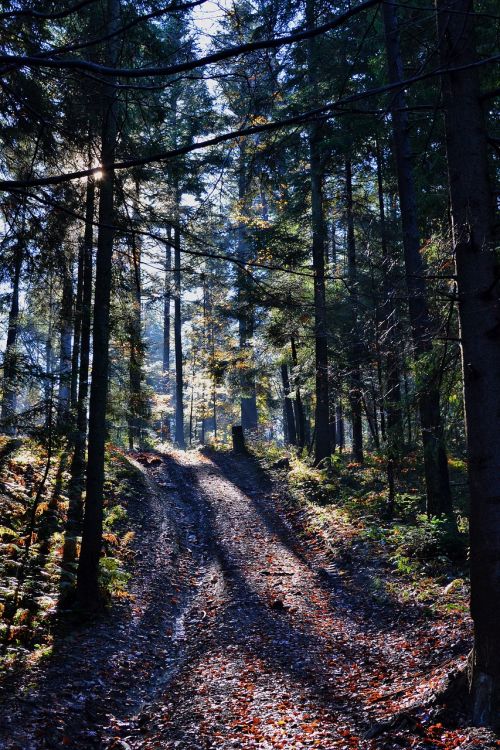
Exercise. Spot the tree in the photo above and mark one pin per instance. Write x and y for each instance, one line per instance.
(88, 564)
(478, 277)
(246, 312)
(316, 162)
(389, 323)
(77, 468)
(291, 431)
(355, 394)
(66, 335)
(435, 460)
(179, 376)
(311, 274)
(9, 396)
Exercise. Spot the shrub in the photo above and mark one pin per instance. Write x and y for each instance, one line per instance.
(112, 577)
(434, 542)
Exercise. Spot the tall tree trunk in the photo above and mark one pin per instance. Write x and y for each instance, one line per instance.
(321, 419)
(135, 406)
(333, 230)
(339, 421)
(204, 411)
(166, 312)
(355, 390)
(392, 396)
(316, 170)
(179, 383)
(308, 433)
(77, 331)
(66, 326)
(49, 358)
(249, 416)
(88, 568)
(214, 408)
(389, 321)
(333, 429)
(371, 421)
(191, 405)
(10, 386)
(297, 404)
(381, 400)
(214, 379)
(165, 384)
(77, 469)
(478, 279)
(435, 461)
(288, 406)
(408, 405)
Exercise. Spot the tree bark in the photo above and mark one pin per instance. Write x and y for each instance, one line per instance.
(192, 420)
(392, 396)
(9, 398)
(297, 404)
(135, 407)
(288, 406)
(316, 170)
(321, 418)
(356, 389)
(339, 421)
(77, 332)
(246, 322)
(77, 469)
(166, 313)
(214, 379)
(179, 383)
(49, 358)
(65, 353)
(165, 382)
(478, 278)
(435, 460)
(88, 567)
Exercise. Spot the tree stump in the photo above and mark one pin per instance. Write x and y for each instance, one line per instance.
(238, 439)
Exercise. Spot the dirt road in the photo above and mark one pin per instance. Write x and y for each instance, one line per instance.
(239, 636)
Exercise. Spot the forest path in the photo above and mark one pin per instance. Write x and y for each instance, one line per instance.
(238, 636)
(283, 648)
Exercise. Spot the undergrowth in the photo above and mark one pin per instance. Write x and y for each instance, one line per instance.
(345, 503)
(34, 587)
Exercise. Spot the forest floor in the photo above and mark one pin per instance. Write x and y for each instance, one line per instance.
(241, 631)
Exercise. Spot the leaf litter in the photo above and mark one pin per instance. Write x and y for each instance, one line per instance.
(240, 631)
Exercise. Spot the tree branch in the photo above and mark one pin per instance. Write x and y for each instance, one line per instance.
(305, 117)
(29, 13)
(174, 8)
(26, 61)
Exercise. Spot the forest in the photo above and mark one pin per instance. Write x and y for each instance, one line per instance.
(249, 374)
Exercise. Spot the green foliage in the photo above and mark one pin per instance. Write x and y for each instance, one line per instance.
(32, 580)
(348, 493)
(114, 515)
(436, 543)
(313, 482)
(112, 576)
